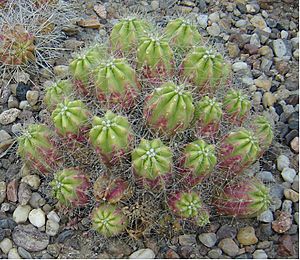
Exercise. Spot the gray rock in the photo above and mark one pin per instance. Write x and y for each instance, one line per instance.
(266, 216)
(241, 23)
(296, 217)
(260, 254)
(32, 97)
(265, 176)
(208, 239)
(214, 17)
(24, 253)
(21, 213)
(36, 200)
(229, 247)
(187, 240)
(9, 116)
(37, 217)
(238, 66)
(287, 206)
(295, 185)
(214, 29)
(288, 174)
(279, 48)
(215, 253)
(255, 40)
(146, 253)
(52, 228)
(12, 102)
(226, 231)
(24, 193)
(2, 191)
(52, 215)
(28, 237)
(13, 254)
(32, 180)
(6, 245)
(202, 20)
(282, 162)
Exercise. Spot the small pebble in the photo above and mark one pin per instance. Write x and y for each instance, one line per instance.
(208, 239)
(266, 216)
(13, 254)
(21, 213)
(260, 254)
(246, 236)
(52, 228)
(291, 195)
(37, 217)
(288, 174)
(9, 116)
(282, 162)
(142, 254)
(229, 247)
(5, 245)
(238, 66)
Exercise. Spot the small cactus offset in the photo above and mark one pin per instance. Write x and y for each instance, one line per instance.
(204, 67)
(126, 34)
(155, 58)
(57, 93)
(189, 205)
(198, 161)
(169, 109)
(70, 187)
(152, 163)
(111, 189)
(70, 119)
(16, 45)
(208, 115)
(108, 220)
(37, 149)
(116, 84)
(111, 136)
(243, 198)
(238, 150)
(236, 106)
(182, 34)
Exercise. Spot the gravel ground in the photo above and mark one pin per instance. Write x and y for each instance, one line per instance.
(261, 39)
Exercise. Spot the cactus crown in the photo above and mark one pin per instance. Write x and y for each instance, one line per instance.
(189, 205)
(208, 110)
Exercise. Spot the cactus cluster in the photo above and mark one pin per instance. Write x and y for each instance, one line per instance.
(152, 133)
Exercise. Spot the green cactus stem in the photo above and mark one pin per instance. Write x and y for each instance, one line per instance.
(208, 115)
(182, 34)
(70, 187)
(108, 220)
(204, 68)
(236, 106)
(169, 109)
(155, 59)
(112, 137)
(152, 163)
(238, 150)
(70, 119)
(37, 149)
(198, 161)
(244, 198)
(188, 205)
(57, 93)
(126, 34)
(116, 84)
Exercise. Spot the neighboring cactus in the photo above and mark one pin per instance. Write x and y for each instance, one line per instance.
(37, 149)
(125, 35)
(111, 136)
(70, 187)
(204, 67)
(243, 198)
(16, 45)
(198, 161)
(82, 66)
(155, 58)
(236, 106)
(152, 163)
(182, 34)
(111, 189)
(116, 84)
(108, 220)
(57, 93)
(188, 205)
(70, 119)
(169, 109)
(208, 115)
(263, 131)
(238, 150)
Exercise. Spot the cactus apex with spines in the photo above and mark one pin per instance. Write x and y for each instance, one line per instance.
(108, 220)
(169, 109)
(111, 136)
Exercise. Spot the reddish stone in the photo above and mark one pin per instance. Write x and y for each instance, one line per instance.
(251, 48)
(283, 222)
(285, 247)
(171, 254)
(12, 190)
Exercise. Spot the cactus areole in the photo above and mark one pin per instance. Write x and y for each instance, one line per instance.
(244, 198)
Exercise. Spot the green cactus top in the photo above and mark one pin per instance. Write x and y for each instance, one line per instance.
(154, 52)
(236, 104)
(81, 66)
(57, 93)
(208, 110)
(200, 157)
(169, 109)
(182, 33)
(126, 34)
(111, 132)
(189, 204)
(152, 159)
(264, 132)
(108, 220)
(35, 138)
(115, 76)
(70, 117)
(203, 66)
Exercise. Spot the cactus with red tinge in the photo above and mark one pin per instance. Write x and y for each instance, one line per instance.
(169, 109)
(244, 198)
(70, 187)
